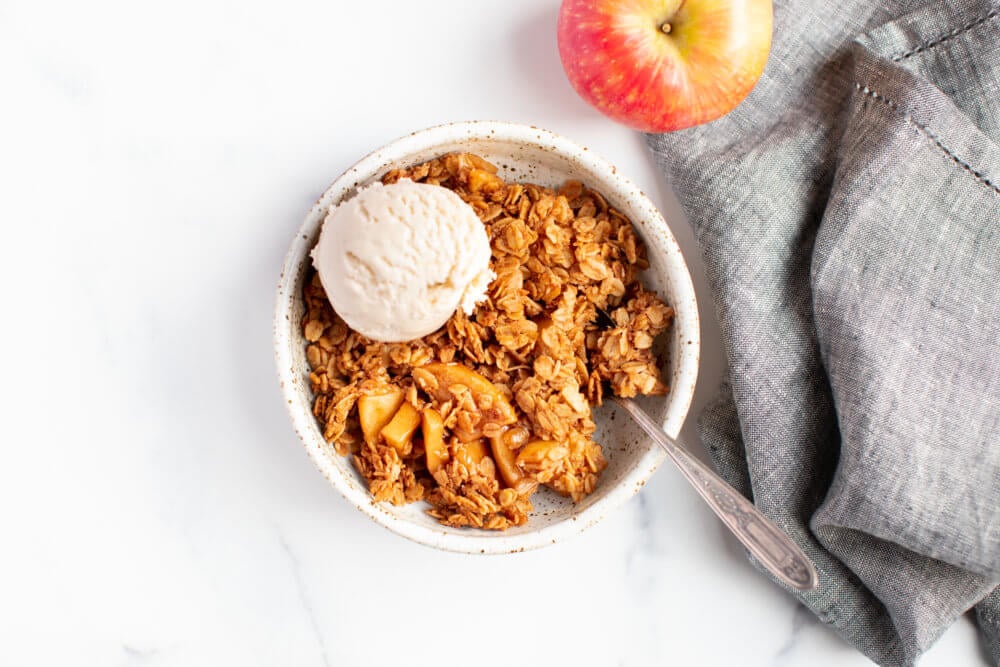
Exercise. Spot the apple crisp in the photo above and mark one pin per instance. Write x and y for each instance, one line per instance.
(475, 416)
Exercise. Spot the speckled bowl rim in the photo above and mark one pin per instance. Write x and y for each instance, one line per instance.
(686, 319)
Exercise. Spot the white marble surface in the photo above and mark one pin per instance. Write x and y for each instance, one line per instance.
(156, 507)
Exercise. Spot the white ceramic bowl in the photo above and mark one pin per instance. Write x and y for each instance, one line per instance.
(529, 154)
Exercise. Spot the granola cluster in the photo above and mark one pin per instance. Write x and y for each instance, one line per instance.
(538, 351)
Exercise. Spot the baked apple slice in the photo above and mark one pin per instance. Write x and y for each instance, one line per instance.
(444, 382)
(377, 409)
(400, 429)
(432, 426)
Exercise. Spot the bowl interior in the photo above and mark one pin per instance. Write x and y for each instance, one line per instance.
(632, 457)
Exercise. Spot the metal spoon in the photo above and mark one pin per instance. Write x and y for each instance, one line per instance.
(772, 547)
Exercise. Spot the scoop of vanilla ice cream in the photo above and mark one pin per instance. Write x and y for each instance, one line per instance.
(398, 260)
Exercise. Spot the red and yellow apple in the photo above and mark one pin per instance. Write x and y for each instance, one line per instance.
(663, 65)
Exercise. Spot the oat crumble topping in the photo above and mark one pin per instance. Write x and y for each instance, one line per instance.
(474, 417)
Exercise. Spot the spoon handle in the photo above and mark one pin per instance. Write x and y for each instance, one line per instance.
(772, 547)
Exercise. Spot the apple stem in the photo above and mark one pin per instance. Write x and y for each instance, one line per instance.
(665, 28)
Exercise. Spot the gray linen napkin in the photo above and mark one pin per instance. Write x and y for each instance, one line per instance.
(849, 216)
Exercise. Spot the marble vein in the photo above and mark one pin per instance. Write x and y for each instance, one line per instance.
(137, 655)
(800, 618)
(304, 599)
